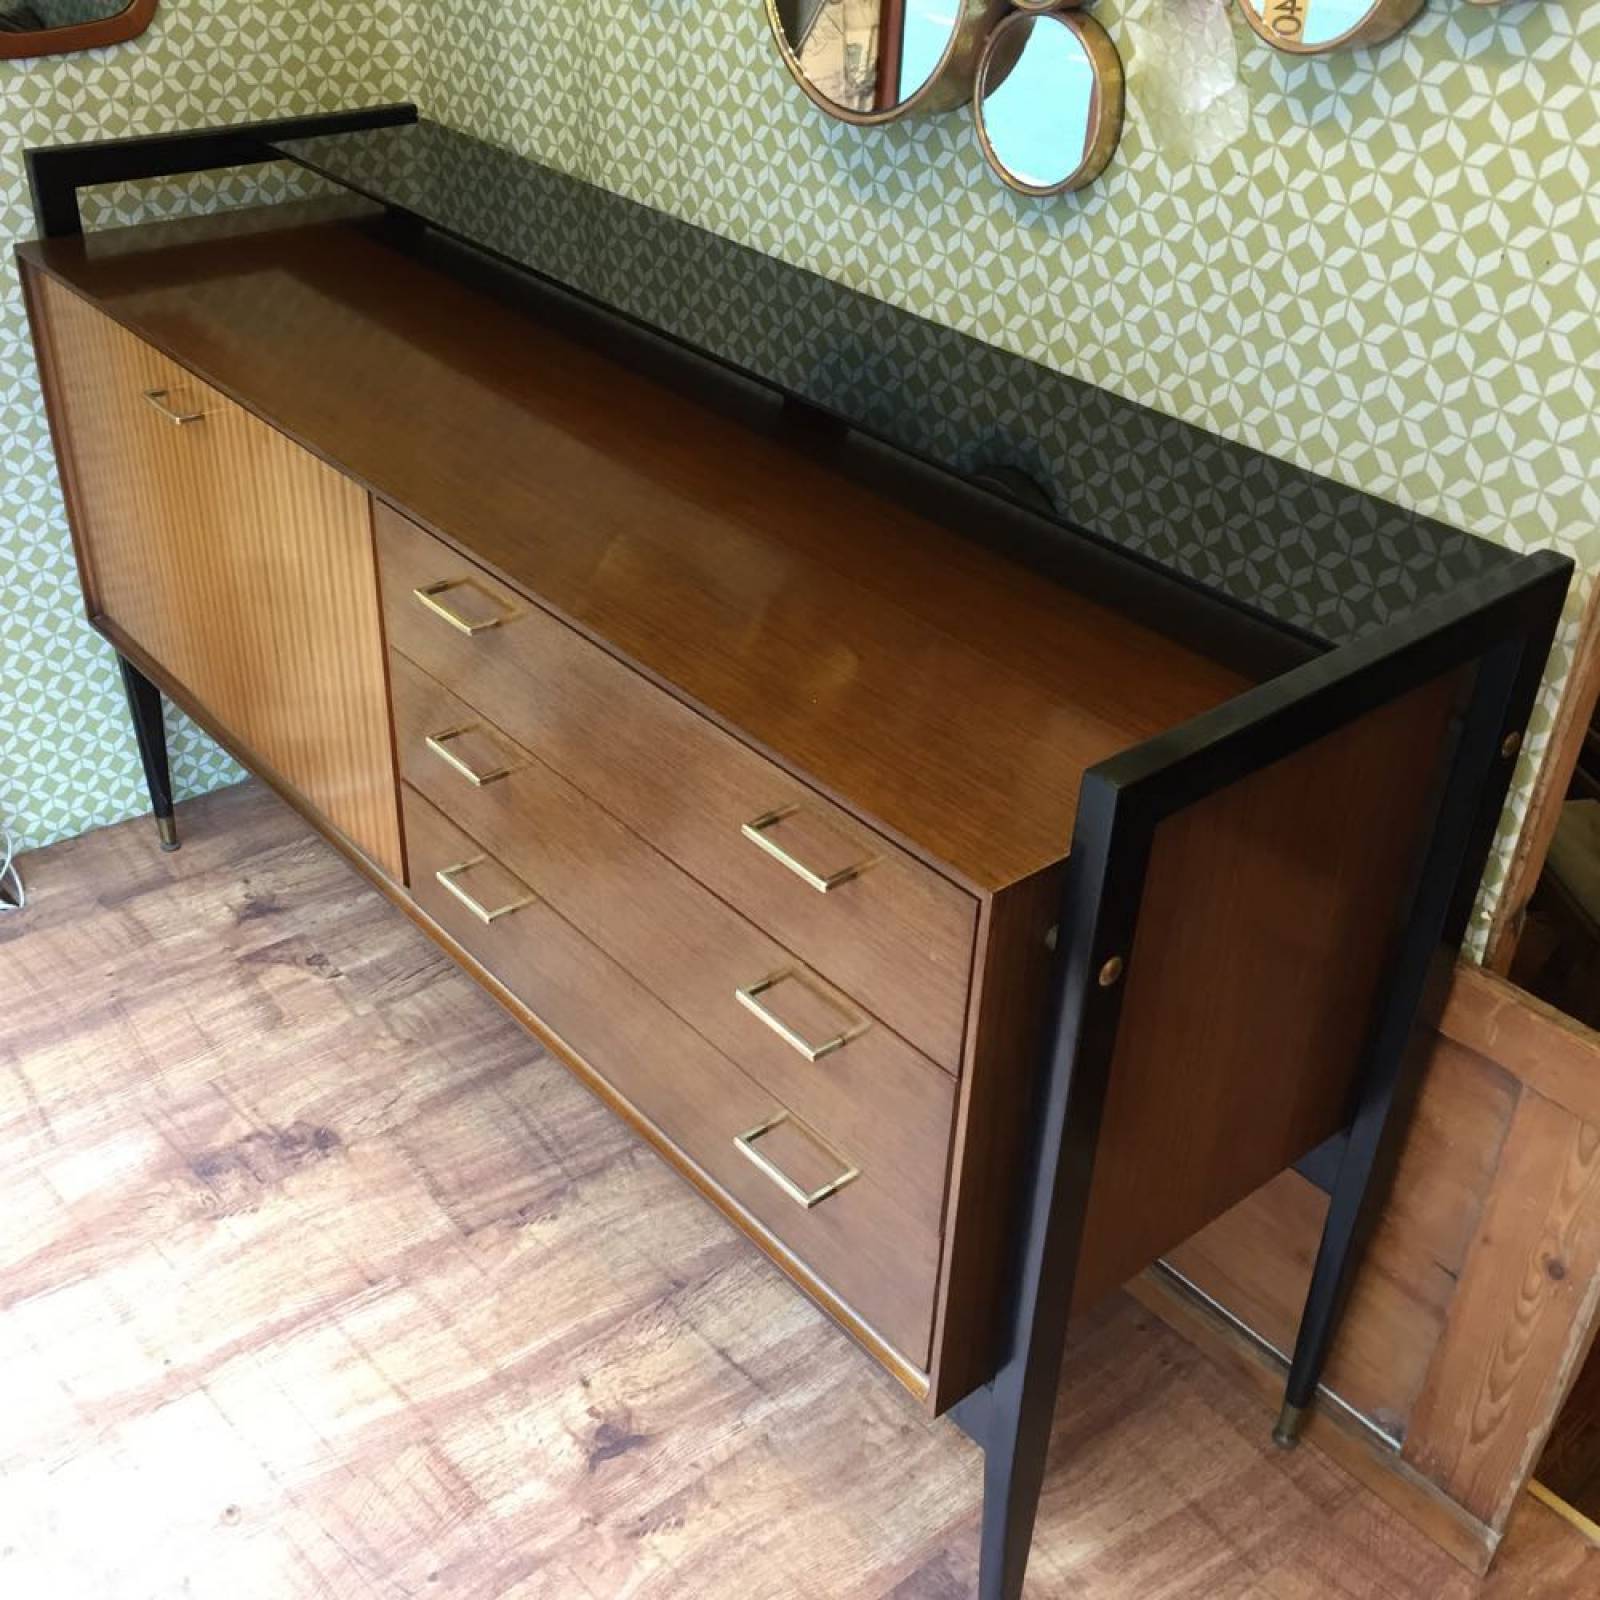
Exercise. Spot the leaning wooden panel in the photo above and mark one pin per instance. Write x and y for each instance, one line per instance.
(1496, 1200)
(1544, 810)
(240, 564)
(1256, 1260)
(1261, 943)
(1523, 1318)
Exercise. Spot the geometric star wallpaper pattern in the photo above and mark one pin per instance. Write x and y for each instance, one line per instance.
(67, 756)
(1385, 267)
(1386, 271)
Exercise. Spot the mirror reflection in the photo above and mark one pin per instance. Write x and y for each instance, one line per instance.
(40, 16)
(1306, 27)
(1049, 101)
(869, 59)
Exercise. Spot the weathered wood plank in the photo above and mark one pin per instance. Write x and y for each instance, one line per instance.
(1256, 1260)
(1551, 1053)
(1523, 1316)
(1562, 751)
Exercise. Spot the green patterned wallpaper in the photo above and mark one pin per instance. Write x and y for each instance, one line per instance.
(1383, 266)
(67, 757)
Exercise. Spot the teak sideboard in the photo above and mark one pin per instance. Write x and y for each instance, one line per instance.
(969, 933)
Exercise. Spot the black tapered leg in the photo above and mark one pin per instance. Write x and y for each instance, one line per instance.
(1426, 946)
(149, 727)
(1359, 1192)
(1012, 1416)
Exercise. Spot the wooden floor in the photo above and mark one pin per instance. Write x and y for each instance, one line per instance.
(318, 1279)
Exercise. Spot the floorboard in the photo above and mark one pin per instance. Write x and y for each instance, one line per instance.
(320, 1281)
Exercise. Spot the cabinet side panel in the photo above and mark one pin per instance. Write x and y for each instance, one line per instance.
(240, 564)
(35, 287)
(1262, 936)
(999, 1076)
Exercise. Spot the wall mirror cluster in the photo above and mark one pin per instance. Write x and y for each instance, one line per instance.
(1044, 82)
(54, 27)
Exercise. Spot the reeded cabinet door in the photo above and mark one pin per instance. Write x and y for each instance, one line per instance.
(241, 564)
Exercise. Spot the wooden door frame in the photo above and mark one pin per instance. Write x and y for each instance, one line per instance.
(128, 23)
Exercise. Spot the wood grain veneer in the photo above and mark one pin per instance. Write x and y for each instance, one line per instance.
(951, 695)
(876, 1097)
(1255, 897)
(898, 938)
(858, 1241)
(950, 699)
(1524, 1318)
(1010, 995)
(233, 558)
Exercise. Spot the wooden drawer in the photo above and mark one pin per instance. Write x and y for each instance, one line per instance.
(899, 937)
(859, 1241)
(889, 1104)
(238, 563)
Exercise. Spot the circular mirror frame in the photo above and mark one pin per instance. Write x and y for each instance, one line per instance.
(1383, 21)
(949, 84)
(128, 23)
(1106, 110)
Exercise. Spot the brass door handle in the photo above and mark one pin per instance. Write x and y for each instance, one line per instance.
(429, 595)
(160, 401)
(807, 1198)
(446, 877)
(750, 998)
(437, 743)
(756, 832)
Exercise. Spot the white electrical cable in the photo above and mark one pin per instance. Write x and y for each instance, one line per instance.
(13, 897)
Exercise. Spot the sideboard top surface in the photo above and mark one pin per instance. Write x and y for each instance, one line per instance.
(1315, 555)
(948, 693)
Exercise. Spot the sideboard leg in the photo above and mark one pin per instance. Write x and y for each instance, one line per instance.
(1013, 1475)
(1421, 964)
(1358, 1195)
(149, 727)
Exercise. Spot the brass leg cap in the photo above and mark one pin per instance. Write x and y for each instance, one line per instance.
(167, 829)
(1287, 1433)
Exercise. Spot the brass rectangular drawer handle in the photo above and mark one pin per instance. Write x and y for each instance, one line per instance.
(750, 998)
(447, 876)
(430, 596)
(756, 832)
(438, 742)
(801, 1197)
(160, 400)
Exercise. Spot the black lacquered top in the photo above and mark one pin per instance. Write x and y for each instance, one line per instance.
(1308, 552)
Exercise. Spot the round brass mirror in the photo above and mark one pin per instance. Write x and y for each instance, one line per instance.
(1312, 27)
(871, 61)
(1049, 101)
(56, 27)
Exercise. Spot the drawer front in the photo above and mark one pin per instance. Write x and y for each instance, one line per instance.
(857, 908)
(818, 1051)
(236, 561)
(856, 1238)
